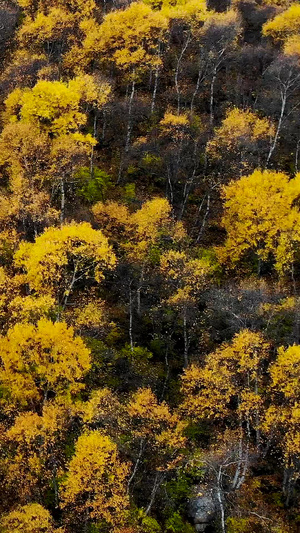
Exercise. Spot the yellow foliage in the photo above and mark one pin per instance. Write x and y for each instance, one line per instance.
(129, 38)
(30, 308)
(152, 218)
(283, 25)
(31, 518)
(239, 128)
(33, 159)
(102, 406)
(292, 46)
(96, 482)
(45, 144)
(285, 372)
(232, 372)
(279, 3)
(92, 89)
(154, 420)
(52, 105)
(260, 216)
(194, 11)
(41, 358)
(19, 68)
(56, 106)
(53, 26)
(280, 318)
(66, 153)
(26, 203)
(287, 304)
(190, 275)
(172, 264)
(177, 127)
(112, 215)
(36, 448)
(9, 241)
(91, 316)
(179, 4)
(84, 7)
(228, 22)
(47, 261)
(24, 147)
(285, 385)
(9, 288)
(142, 229)
(78, 57)
(170, 120)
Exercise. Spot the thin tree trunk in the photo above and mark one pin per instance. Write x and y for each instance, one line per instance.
(167, 374)
(120, 168)
(246, 457)
(92, 150)
(239, 463)
(204, 219)
(257, 431)
(104, 124)
(150, 80)
(155, 89)
(136, 465)
(55, 486)
(186, 340)
(186, 192)
(188, 184)
(198, 212)
(199, 80)
(68, 291)
(297, 155)
(86, 520)
(245, 468)
(288, 484)
(155, 82)
(129, 124)
(62, 200)
(130, 317)
(220, 499)
(212, 86)
(283, 106)
(211, 100)
(157, 481)
(171, 196)
(138, 292)
(183, 50)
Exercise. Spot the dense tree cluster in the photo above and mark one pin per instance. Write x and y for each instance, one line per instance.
(149, 265)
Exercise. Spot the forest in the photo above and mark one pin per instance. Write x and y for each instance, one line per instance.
(149, 266)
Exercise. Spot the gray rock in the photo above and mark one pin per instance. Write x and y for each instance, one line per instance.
(202, 507)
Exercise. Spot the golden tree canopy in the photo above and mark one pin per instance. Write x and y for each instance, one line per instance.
(61, 256)
(56, 107)
(128, 38)
(31, 518)
(285, 24)
(96, 481)
(260, 216)
(231, 375)
(42, 358)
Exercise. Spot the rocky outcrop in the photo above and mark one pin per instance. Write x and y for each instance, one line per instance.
(202, 508)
